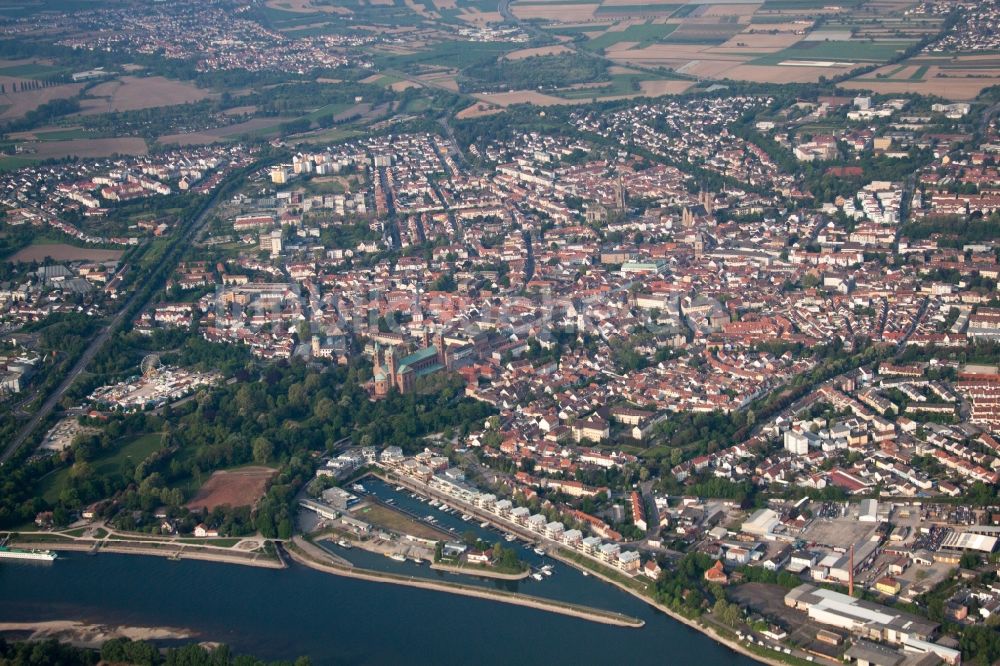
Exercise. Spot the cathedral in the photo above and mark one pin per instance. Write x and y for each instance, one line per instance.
(391, 370)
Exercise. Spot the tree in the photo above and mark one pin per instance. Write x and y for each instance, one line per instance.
(262, 450)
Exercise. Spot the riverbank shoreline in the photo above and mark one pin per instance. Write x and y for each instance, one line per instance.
(90, 635)
(304, 553)
(171, 551)
(697, 626)
(485, 573)
(674, 615)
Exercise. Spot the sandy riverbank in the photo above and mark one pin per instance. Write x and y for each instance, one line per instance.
(313, 557)
(169, 550)
(83, 634)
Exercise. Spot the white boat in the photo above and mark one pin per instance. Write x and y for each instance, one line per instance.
(547, 572)
(399, 488)
(539, 551)
(585, 573)
(484, 524)
(344, 544)
(429, 519)
(434, 502)
(417, 560)
(358, 488)
(509, 537)
(466, 517)
(536, 576)
(397, 557)
(18, 554)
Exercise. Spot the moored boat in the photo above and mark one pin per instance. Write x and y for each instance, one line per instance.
(20, 554)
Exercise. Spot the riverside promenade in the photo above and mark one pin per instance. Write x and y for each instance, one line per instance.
(314, 557)
(169, 549)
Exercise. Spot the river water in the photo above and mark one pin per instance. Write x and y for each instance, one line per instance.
(280, 614)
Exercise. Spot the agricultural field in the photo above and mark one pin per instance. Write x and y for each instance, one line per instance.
(20, 102)
(754, 40)
(958, 78)
(130, 93)
(223, 134)
(637, 35)
(58, 149)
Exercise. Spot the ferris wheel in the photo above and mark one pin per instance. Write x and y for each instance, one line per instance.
(150, 365)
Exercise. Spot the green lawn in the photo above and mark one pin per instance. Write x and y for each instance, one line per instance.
(31, 71)
(134, 452)
(64, 134)
(13, 162)
(620, 84)
(328, 110)
(843, 51)
(329, 136)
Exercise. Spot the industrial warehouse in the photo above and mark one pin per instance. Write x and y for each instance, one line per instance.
(870, 620)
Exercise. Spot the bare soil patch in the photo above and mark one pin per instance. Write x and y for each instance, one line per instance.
(730, 10)
(63, 252)
(305, 7)
(537, 51)
(471, 15)
(478, 110)
(444, 80)
(779, 74)
(524, 97)
(657, 88)
(950, 88)
(22, 102)
(554, 12)
(238, 487)
(126, 145)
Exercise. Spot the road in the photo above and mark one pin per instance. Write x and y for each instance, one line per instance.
(102, 337)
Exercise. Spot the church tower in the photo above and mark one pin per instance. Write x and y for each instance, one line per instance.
(382, 382)
(391, 362)
(620, 194)
(442, 349)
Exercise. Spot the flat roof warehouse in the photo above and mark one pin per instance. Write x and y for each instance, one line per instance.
(970, 541)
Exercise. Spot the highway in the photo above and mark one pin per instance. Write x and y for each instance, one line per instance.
(104, 335)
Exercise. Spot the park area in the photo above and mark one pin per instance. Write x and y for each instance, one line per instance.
(233, 488)
(122, 460)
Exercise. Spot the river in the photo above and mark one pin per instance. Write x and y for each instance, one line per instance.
(281, 614)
